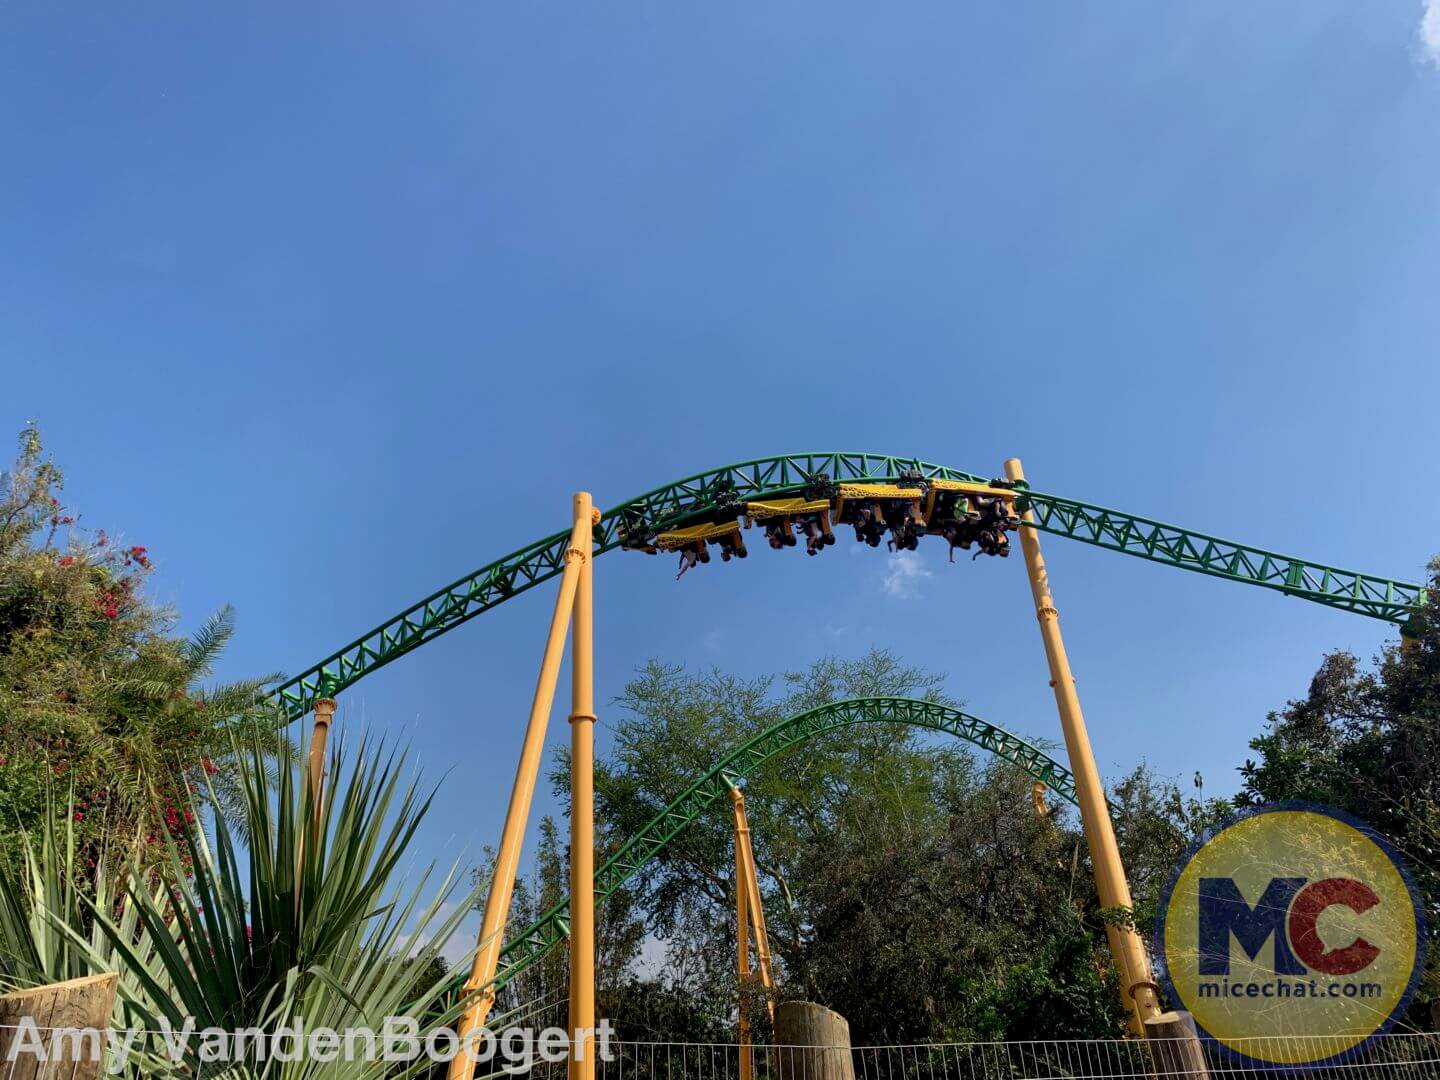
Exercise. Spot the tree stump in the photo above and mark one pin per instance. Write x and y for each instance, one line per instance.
(80, 1004)
(811, 1043)
(1175, 1046)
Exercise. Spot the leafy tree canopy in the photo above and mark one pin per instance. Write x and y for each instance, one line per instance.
(907, 885)
(1366, 739)
(97, 692)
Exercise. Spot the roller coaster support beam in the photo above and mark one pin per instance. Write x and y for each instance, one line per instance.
(1139, 987)
(582, 809)
(480, 986)
(742, 943)
(749, 914)
(319, 735)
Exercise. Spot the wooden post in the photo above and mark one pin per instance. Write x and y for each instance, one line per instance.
(1175, 1046)
(811, 1043)
(83, 1004)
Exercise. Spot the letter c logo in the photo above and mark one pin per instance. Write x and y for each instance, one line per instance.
(1305, 913)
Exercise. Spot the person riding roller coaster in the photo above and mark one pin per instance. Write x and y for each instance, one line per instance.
(905, 526)
(976, 520)
(868, 518)
(780, 532)
(905, 511)
(817, 531)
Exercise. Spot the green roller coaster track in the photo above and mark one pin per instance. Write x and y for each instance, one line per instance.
(700, 497)
(553, 927)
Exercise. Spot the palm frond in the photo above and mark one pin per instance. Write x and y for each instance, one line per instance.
(199, 653)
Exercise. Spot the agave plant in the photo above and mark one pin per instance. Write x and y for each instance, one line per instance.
(305, 918)
(46, 932)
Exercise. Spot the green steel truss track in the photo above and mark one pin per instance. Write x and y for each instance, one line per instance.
(718, 492)
(1348, 590)
(554, 926)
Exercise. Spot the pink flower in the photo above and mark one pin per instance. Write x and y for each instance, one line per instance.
(66, 560)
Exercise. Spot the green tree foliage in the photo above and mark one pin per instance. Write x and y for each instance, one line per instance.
(1155, 824)
(906, 885)
(618, 934)
(642, 1005)
(960, 921)
(1366, 739)
(96, 690)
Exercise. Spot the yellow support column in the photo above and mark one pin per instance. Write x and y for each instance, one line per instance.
(319, 735)
(582, 814)
(742, 943)
(517, 814)
(754, 904)
(749, 914)
(1139, 989)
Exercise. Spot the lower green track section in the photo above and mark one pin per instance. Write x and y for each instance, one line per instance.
(719, 491)
(700, 797)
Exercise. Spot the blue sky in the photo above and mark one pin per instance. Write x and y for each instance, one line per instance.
(330, 305)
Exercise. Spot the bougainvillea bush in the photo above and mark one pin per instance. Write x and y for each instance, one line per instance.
(100, 698)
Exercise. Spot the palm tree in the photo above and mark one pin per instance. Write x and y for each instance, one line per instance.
(172, 734)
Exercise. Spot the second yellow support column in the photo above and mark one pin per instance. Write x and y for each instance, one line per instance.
(507, 859)
(582, 815)
(1141, 1000)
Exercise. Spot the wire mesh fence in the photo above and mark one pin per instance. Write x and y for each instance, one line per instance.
(1392, 1057)
(1412, 1056)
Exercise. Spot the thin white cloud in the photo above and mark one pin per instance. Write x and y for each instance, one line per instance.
(905, 576)
(1430, 31)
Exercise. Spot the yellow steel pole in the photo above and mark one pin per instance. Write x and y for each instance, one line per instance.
(507, 860)
(582, 811)
(1140, 991)
(742, 939)
(753, 902)
(319, 735)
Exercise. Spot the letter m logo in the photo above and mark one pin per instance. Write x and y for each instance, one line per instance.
(1225, 914)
